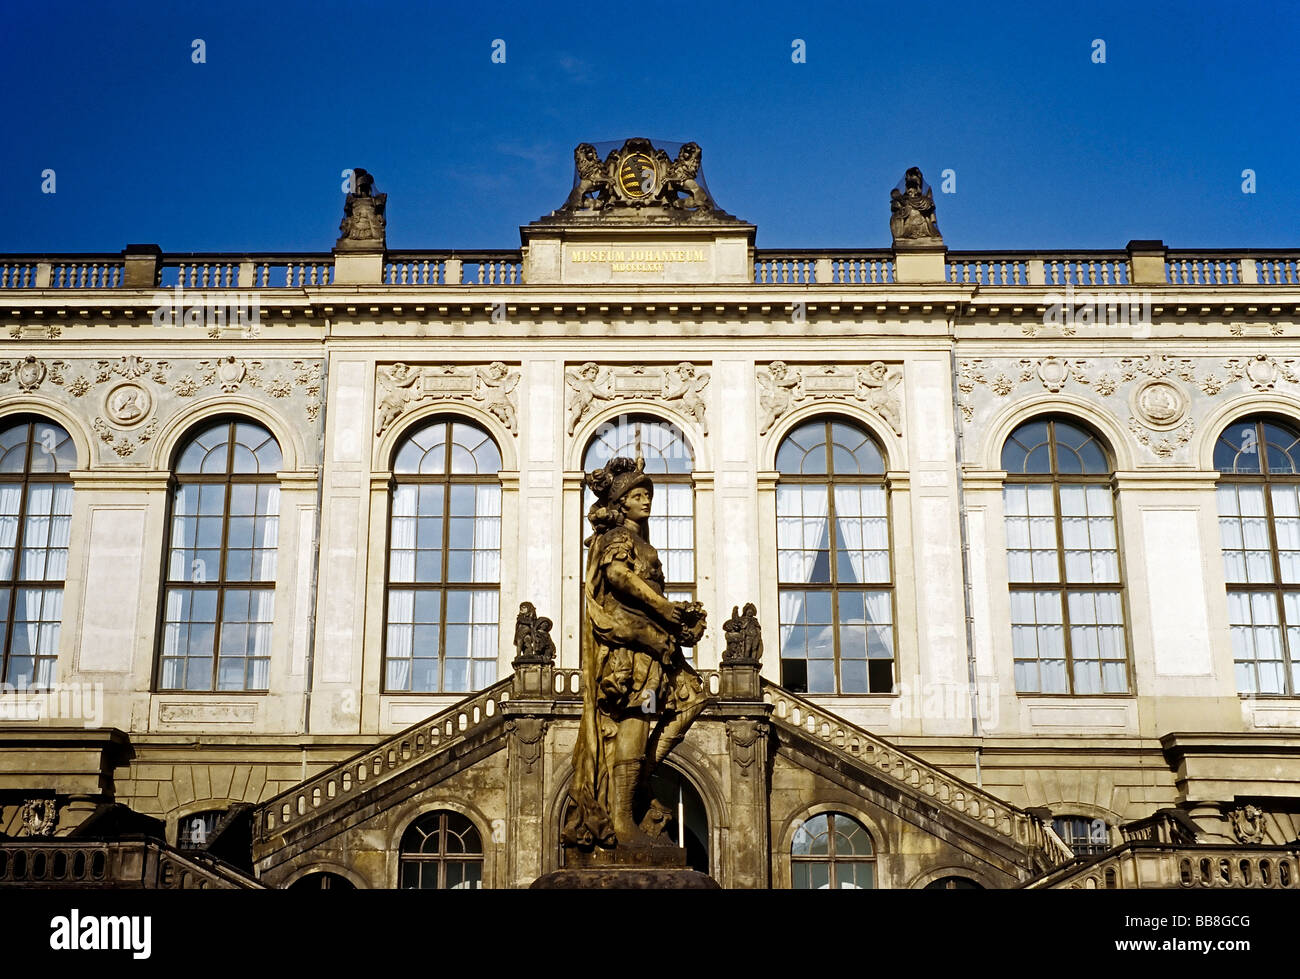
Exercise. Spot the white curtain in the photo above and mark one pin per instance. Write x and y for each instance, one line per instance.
(36, 533)
(487, 535)
(10, 495)
(402, 549)
(863, 527)
(264, 570)
(790, 609)
(802, 531)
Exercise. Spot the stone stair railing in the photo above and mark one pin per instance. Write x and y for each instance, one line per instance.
(946, 791)
(330, 789)
(1162, 866)
(64, 863)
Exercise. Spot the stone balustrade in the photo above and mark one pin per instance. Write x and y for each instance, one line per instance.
(810, 267)
(329, 789)
(1079, 270)
(567, 684)
(1140, 865)
(63, 863)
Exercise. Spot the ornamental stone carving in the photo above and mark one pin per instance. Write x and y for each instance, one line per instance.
(120, 443)
(30, 373)
(128, 404)
(638, 176)
(402, 386)
(529, 734)
(744, 735)
(781, 388)
(592, 385)
(1159, 404)
(1161, 411)
(39, 816)
(1261, 372)
(1248, 825)
(126, 401)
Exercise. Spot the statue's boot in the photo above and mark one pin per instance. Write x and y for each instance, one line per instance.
(664, 739)
(627, 775)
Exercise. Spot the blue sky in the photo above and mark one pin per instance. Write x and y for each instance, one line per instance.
(1049, 149)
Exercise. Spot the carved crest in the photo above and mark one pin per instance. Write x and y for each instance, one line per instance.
(39, 816)
(1248, 825)
(29, 374)
(638, 175)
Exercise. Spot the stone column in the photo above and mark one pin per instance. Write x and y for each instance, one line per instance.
(526, 791)
(746, 855)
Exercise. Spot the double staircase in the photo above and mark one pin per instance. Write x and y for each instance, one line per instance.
(310, 809)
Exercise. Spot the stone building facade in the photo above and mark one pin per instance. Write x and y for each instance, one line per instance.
(1024, 585)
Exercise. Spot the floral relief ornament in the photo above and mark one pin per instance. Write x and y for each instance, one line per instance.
(123, 445)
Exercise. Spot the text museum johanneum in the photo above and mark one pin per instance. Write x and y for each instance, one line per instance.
(295, 581)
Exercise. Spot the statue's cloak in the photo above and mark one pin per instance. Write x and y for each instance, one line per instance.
(612, 627)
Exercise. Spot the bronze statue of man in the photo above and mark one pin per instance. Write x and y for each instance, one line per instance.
(639, 695)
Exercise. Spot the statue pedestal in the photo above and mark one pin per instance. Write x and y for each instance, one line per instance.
(920, 260)
(626, 868)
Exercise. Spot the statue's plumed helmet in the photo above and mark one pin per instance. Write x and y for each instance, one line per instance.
(619, 477)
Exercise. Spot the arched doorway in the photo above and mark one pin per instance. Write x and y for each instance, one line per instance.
(689, 827)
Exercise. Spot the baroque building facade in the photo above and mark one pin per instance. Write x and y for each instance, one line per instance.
(1019, 531)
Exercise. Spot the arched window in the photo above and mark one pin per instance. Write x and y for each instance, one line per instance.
(196, 830)
(36, 457)
(954, 883)
(441, 850)
(219, 599)
(669, 461)
(1259, 531)
(832, 850)
(322, 880)
(836, 592)
(1067, 615)
(444, 561)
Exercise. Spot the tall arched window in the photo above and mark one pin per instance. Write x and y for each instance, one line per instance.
(1067, 614)
(444, 561)
(219, 599)
(1259, 531)
(832, 851)
(36, 457)
(836, 592)
(441, 850)
(669, 460)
